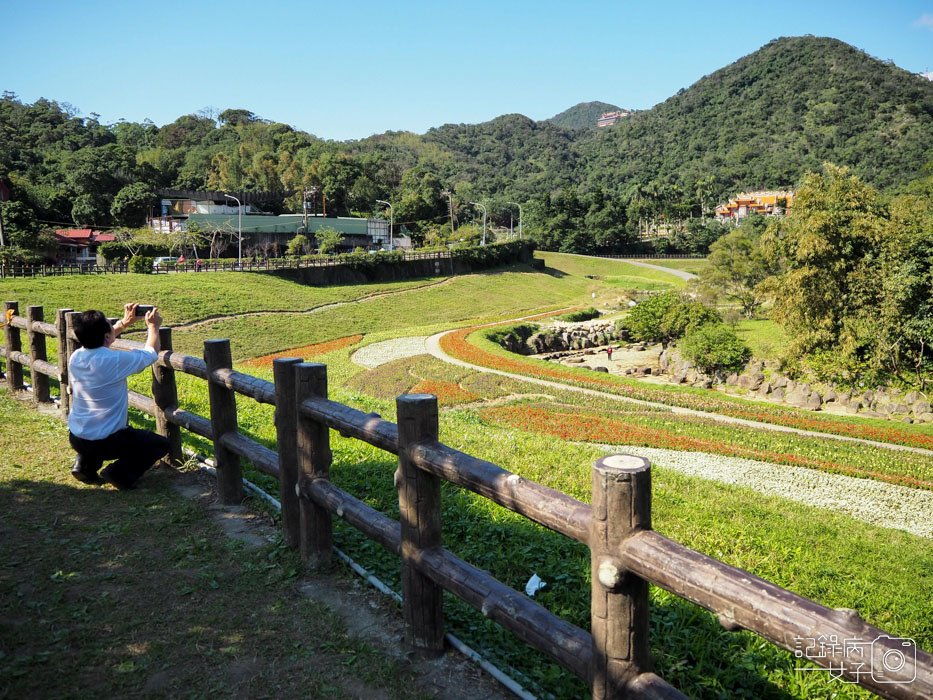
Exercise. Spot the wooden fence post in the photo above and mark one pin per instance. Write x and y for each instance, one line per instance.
(14, 343)
(419, 497)
(619, 604)
(223, 420)
(61, 325)
(165, 394)
(314, 459)
(37, 351)
(286, 434)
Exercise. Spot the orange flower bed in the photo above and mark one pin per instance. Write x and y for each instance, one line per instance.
(456, 345)
(306, 351)
(447, 393)
(584, 427)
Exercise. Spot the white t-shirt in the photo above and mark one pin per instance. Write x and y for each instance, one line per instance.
(99, 399)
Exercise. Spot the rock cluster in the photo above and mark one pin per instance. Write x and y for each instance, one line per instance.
(565, 337)
(764, 381)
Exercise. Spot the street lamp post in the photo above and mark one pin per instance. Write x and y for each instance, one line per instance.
(391, 221)
(483, 207)
(239, 228)
(304, 203)
(519, 217)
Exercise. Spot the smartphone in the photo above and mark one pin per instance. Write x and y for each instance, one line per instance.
(143, 309)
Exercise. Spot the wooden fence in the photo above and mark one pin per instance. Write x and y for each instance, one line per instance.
(626, 554)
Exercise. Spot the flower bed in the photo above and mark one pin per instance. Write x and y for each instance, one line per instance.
(458, 345)
(588, 427)
(306, 351)
(447, 393)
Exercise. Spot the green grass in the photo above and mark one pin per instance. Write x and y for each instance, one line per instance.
(184, 297)
(764, 337)
(885, 574)
(132, 594)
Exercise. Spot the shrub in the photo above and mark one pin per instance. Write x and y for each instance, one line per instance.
(582, 315)
(141, 264)
(667, 317)
(714, 347)
(513, 338)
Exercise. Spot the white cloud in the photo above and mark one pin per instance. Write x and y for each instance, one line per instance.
(926, 20)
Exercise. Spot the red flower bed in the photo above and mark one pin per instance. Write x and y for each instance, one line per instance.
(306, 351)
(456, 344)
(447, 393)
(583, 427)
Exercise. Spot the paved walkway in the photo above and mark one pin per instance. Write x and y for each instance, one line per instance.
(434, 348)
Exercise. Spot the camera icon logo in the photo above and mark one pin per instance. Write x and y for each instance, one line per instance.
(893, 659)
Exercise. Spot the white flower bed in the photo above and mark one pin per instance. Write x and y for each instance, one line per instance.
(377, 354)
(874, 502)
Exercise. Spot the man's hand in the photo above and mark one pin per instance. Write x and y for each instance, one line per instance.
(153, 319)
(129, 314)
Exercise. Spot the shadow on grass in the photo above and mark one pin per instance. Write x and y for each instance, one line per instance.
(117, 594)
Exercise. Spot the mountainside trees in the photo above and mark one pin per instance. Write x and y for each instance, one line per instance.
(760, 122)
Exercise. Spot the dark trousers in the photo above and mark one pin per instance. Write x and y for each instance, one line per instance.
(134, 451)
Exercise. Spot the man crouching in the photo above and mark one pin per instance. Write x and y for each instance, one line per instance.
(97, 423)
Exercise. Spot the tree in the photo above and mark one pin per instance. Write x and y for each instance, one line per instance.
(829, 247)
(738, 264)
(327, 239)
(132, 204)
(714, 347)
(299, 245)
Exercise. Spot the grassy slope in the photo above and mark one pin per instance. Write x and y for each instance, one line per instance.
(843, 563)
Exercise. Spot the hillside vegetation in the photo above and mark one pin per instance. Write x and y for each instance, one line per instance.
(763, 121)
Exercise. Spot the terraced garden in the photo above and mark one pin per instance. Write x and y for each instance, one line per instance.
(553, 435)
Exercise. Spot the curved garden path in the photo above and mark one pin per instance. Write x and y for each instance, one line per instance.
(433, 347)
(873, 502)
(683, 274)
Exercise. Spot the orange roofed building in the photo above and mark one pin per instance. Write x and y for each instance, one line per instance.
(766, 203)
(79, 245)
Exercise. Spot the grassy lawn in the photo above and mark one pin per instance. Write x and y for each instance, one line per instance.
(139, 594)
(885, 574)
(764, 337)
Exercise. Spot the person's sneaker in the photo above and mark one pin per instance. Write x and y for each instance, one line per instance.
(110, 479)
(83, 476)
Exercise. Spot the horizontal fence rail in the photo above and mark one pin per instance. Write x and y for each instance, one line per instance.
(626, 554)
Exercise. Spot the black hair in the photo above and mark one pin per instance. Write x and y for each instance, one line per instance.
(91, 327)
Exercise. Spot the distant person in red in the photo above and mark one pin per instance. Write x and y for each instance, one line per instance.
(97, 424)
(181, 260)
(609, 352)
(198, 265)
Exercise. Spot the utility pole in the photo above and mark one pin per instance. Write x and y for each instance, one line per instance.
(450, 207)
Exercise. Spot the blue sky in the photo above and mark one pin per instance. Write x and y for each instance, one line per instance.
(345, 70)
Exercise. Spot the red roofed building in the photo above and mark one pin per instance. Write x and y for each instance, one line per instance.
(79, 245)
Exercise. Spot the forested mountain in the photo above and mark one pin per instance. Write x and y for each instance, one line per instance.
(582, 116)
(761, 122)
(771, 116)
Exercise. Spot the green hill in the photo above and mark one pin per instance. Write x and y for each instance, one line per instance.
(582, 116)
(771, 116)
